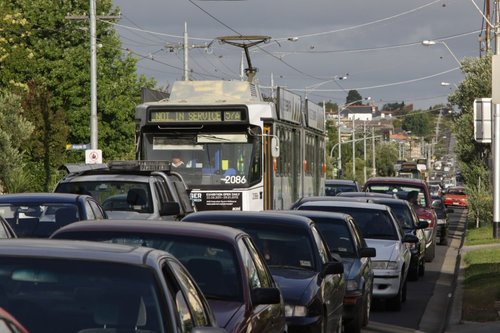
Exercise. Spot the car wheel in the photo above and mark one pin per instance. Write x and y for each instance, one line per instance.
(367, 308)
(421, 271)
(430, 252)
(354, 325)
(394, 303)
(414, 272)
(403, 296)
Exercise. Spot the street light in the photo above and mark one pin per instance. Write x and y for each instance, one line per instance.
(340, 109)
(317, 85)
(433, 42)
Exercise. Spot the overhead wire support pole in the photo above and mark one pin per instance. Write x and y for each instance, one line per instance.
(185, 47)
(93, 68)
(496, 128)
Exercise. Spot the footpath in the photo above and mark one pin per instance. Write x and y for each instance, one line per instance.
(454, 322)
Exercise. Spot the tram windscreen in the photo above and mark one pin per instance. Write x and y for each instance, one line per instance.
(209, 160)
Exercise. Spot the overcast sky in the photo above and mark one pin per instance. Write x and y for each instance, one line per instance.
(377, 42)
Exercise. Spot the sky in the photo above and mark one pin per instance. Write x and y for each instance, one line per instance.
(318, 48)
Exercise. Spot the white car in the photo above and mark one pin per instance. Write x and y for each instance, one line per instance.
(382, 232)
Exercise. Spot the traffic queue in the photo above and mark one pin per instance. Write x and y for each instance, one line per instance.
(110, 258)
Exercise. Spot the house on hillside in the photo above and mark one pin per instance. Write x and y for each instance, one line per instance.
(360, 112)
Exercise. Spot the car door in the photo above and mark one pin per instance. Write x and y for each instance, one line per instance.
(263, 317)
(366, 262)
(332, 285)
(191, 307)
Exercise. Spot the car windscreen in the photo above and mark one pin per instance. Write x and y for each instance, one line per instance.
(212, 263)
(400, 190)
(373, 223)
(114, 195)
(38, 219)
(403, 214)
(337, 236)
(58, 295)
(334, 189)
(282, 247)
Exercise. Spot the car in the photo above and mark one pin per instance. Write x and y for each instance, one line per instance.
(9, 324)
(408, 220)
(38, 215)
(455, 196)
(435, 189)
(338, 197)
(345, 240)
(336, 186)
(223, 261)
(310, 278)
(402, 187)
(70, 286)
(442, 218)
(6, 231)
(381, 231)
(146, 190)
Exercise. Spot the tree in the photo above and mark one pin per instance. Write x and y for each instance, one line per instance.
(38, 44)
(419, 123)
(385, 157)
(15, 133)
(354, 97)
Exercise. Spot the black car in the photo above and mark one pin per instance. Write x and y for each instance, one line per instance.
(310, 278)
(224, 262)
(442, 219)
(71, 286)
(38, 215)
(345, 239)
(336, 186)
(303, 200)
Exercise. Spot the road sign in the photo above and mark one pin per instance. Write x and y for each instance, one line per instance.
(483, 120)
(81, 146)
(93, 156)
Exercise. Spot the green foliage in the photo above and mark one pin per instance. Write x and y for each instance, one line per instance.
(473, 156)
(39, 44)
(394, 106)
(419, 123)
(15, 132)
(385, 158)
(354, 97)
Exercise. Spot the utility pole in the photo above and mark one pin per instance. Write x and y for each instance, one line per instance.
(374, 171)
(496, 129)
(364, 150)
(93, 67)
(185, 47)
(353, 148)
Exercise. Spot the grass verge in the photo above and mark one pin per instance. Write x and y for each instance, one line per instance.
(482, 277)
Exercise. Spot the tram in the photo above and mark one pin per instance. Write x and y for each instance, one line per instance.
(239, 150)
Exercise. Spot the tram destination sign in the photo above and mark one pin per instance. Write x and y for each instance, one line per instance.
(164, 116)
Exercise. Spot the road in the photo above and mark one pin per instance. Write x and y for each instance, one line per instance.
(419, 293)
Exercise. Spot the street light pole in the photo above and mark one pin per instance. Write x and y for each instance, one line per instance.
(433, 42)
(340, 109)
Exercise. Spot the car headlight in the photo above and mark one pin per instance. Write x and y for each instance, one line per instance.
(295, 310)
(411, 246)
(392, 265)
(351, 285)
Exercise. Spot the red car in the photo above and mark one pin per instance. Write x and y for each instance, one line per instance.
(455, 196)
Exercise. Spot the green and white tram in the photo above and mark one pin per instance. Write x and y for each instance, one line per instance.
(240, 152)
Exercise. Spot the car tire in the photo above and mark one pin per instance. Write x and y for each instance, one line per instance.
(414, 272)
(356, 323)
(430, 252)
(394, 303)
(367, 309)
(421, 271)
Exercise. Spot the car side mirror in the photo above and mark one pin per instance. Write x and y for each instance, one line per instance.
(170, 208)
(332, 267)
(266, 296)
(422, 224)
(367, 252)
(436, 203)
(408, 238)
